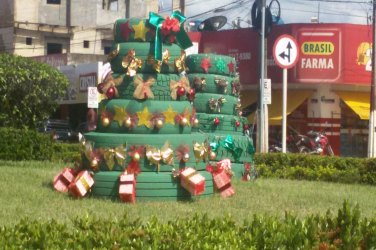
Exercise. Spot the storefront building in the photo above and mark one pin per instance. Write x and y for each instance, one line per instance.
(329, 88)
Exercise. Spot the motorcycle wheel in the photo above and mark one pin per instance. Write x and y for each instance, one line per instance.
(329, 150)
(304, 150)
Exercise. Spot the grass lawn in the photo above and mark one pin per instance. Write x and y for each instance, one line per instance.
(26, 191)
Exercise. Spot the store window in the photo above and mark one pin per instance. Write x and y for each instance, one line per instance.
(354, 133)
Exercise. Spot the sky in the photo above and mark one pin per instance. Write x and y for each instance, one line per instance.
(292, 11)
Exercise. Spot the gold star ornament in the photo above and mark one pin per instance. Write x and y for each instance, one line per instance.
(120, 115)
(144, 117)
(170, 115)
(140, 30)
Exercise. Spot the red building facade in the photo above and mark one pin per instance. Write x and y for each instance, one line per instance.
(328, 88)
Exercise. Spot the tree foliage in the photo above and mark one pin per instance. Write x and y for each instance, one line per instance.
(29, 91)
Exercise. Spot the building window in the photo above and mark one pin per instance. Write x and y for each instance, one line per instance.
(107, 50)
(110, 5)
(164, 5)
(54, 48)
(29, 41)
(86, 44)
(53, 1)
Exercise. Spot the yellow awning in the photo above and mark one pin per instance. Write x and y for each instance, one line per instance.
(359, 102)
(294, 99)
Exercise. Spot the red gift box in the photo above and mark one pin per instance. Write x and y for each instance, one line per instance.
(63, 179)
(127, 188)
(222, 182)
(192, 181)
(82, 184)
(228, 191)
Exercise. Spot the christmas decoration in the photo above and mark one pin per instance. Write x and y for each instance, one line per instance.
(127, 187)
(142, 88)
(220, 64)
(200, 151)
(191, 94)
(180, 63)
(125, 30)
(237, 124)
(165, 154)
(170, 115)
(178, 88)
(206, 64)
(182, 153)
(131, 63)
(216, 104)
(231, 67)
(199, 83)
(62, 180)
(81, 184)
(192, 181)
(113, 53)
(170, 29)
(236, 87)
(136, 153)
(114, 155)
(144, 118)
(216, 121)
(221, 84)
(140, 30)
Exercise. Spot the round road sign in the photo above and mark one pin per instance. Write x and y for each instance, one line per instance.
(285, 51)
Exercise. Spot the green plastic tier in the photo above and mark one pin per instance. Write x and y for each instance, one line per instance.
(227, 124)
(216, 84)
(237, 148)
(160, 87)
(140, 117)
(103, 142)
(211, 64)
(144, 51)
(216, 104)
(149, 186)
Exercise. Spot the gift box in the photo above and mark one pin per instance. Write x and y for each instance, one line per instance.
(82, 184)
(63, 179)
(192, 181)
(221, 179)
(127, 188)
(228, 191)
(222, 182)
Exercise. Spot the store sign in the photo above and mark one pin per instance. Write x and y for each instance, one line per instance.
(319, 55)
(87, 80)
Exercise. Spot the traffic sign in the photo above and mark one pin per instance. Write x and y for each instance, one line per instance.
(285, 51)
(92, 97)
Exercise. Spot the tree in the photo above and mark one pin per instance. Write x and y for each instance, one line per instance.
(29, 91)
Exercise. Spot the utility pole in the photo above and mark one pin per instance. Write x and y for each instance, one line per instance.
(261, 115)
(372, 115)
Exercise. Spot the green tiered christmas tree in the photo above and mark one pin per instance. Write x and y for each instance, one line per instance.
(156, 120)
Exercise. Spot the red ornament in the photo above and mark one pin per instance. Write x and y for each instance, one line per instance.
(216, 121)
(100, 87)
(191, 94)
(237, 124)
(180, 91)
(206, 64)
(110, 92)
(245, 127)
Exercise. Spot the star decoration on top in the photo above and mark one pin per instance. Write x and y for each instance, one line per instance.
(170, 115)
(120, 115)
(140, 30)
(206, 64)
(220, 65)
(231, 67)
(125, 30)
(144, 117)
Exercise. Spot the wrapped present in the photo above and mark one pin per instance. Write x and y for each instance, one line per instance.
(82, 184)
(221, 179)
(63, 179)
(192, 181)
(222, 182)
(127, 188)
(229, 191)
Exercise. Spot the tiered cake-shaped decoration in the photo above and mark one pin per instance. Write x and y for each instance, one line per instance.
(156, 120)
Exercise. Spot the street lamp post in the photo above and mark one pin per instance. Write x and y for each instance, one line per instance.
(372, 116)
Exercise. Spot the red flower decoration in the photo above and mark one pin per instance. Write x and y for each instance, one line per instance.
(125, 30)
(231, 67)
(170, 26)
(206, 64)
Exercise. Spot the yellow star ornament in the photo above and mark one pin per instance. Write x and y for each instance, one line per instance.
(140, 30)
(120, 115)
(144, 117)
(170, 115)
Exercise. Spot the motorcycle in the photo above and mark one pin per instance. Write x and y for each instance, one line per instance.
(314, 143)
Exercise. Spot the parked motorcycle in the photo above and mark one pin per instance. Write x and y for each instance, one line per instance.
(314, 143)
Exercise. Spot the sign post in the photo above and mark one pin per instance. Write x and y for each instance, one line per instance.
(285, 54)
(92, 97)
